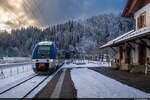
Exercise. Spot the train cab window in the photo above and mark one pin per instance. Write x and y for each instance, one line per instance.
(43, 52)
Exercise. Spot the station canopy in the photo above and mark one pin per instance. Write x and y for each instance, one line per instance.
(128, 37)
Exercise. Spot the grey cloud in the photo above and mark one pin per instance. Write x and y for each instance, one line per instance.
(47, 12)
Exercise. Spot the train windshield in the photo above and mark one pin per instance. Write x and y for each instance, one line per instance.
(43, 52)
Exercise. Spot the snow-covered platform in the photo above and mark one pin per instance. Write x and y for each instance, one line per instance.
(90, 84)
(96, 80)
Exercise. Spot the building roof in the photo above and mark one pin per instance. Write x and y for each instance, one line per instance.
(132, 6)
(112, 42)
(129, 36)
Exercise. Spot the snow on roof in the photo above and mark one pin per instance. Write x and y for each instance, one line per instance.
(113, 41)
(128, 36)
(135, 34)
(45, 43)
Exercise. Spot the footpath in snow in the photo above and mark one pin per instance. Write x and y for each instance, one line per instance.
(90, 84)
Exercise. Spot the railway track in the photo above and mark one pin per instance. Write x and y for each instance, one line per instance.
(25, 88)
(9, 93)
(34, 88)
(7, 89)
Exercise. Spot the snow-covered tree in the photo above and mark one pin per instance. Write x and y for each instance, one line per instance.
(77, 36)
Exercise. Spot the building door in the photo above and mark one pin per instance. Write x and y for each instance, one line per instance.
(142, 54)
(128, 55)
(120, 53)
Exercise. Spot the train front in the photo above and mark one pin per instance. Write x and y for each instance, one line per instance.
(43, 58)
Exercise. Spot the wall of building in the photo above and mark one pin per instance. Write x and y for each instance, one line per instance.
(123, 59)
(133, 54)
(147, 9)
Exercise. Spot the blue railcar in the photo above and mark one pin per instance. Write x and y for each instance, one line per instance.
(44, 57)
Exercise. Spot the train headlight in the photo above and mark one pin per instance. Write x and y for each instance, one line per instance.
(51, 60)
(33, 60)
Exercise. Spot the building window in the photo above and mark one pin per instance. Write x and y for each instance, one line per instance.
(142, 20)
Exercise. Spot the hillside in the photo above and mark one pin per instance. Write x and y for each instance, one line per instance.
(77, 36)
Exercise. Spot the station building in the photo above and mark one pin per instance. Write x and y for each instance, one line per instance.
(132, 49)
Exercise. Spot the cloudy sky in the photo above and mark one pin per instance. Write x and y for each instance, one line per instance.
(23, 13)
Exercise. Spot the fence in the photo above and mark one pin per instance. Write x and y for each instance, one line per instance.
(8, 70)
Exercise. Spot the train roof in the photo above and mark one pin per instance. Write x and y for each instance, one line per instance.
(45, 43)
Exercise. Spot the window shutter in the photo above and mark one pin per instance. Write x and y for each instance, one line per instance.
(144, 19)
(138, 22)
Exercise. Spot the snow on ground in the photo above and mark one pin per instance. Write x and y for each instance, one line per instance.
(14, 70)
(8, 82)
(16, 58)
(5, 60)
(90, 84)
(21, 90)
(41, 86)
(86, 64)
(25, 73)
(14, 75)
